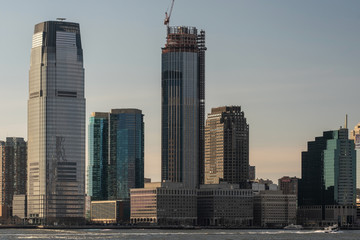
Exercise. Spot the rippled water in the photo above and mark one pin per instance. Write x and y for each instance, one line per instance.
(173, 234)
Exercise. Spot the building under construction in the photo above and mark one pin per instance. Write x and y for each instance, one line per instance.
(183, 105)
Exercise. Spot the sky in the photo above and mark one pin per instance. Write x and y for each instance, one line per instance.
(292, 66)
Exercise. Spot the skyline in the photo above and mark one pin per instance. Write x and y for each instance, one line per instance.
(265, 56)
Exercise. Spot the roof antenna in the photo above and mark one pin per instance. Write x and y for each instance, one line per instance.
(60, 19)
(346, 120)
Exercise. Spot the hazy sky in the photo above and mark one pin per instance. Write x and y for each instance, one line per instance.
(293, 66)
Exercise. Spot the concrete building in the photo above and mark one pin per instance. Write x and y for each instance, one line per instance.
(110, 211)
(274, 209)
(289, 185)
(13, 171)
(56, 125)
(227, 146)
(183, 106)
(252, 173)
(328, 179)
(164, 203)
(224, 205)
(19, 207)
(355, 135)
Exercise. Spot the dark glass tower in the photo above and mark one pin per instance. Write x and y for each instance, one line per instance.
(227, 146)
(126, 152)
(98, 155)
(328, 172)
(183, 106)
(56, 125)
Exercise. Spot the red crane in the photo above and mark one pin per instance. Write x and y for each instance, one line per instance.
(167, 17)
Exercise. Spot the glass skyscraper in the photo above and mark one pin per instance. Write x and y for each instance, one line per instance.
(183, 102)
(98, 144)
(56, 125)
(126, 152)
(116, 154)
(328, 179)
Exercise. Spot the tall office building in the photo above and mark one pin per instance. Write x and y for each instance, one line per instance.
(98, 147)
(183, 106)
(56, 125)
(227, 146)
(126, 152)
(13, 171)
(328, 178)
(116, 154)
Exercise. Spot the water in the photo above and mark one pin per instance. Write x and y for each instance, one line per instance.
(174, 234)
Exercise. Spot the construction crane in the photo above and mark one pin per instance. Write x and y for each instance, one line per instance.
(167, 17)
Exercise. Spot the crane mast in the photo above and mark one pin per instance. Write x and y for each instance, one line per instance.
(167, 17)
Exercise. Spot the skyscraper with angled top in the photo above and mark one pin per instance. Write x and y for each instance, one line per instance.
(56, 125)
(183, 106)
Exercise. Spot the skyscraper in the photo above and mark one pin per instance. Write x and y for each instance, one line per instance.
(116, 154)
(183, 106)
(227, 146)
(98, 147)
(56, 124)
(355, 135)
(328, 178)
(126, 152)
(13, 171)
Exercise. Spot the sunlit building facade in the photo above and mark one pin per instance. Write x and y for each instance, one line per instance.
(227, 146)
(56, 125)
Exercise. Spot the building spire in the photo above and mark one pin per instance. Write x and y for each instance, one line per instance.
(346, 121)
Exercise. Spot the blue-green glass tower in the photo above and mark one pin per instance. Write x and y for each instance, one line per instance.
(126, 152)
(328, 171)
(98, 155)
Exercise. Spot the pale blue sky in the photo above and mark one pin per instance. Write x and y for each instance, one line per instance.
(293, 66)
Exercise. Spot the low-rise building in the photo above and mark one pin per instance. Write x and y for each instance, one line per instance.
(225, 204)
(289, 185)
(110, 211)
(273, 208)
(163, 203)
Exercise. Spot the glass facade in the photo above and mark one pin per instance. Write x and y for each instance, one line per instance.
(183, 104)
(56, 125)
(329, 170)
(126, 152)
(98, 155)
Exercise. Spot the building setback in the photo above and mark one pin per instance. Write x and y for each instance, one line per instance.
(183, 106)
(227, 146)
(328, 179)
(116, 154)
(56, 125)
(13, 171)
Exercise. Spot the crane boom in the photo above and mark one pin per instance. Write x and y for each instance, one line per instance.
(167, 17)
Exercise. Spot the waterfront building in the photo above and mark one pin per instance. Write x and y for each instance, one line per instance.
(227, 146)
(13, 172)
(289, 185)
(183, 106)
(328, 179)
(110, 211)
(224, 205)
(98, 145)
(126, 152)
(165, 203)
(274, 209)
(56, 125)
(355, 135)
